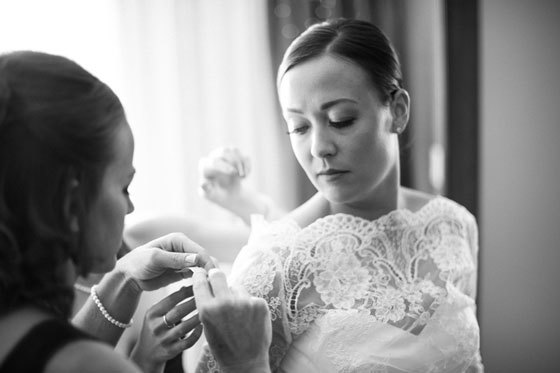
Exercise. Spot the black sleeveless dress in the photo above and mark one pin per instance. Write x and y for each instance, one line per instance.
(38, 346)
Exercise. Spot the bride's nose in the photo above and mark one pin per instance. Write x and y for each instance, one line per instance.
(322, 143)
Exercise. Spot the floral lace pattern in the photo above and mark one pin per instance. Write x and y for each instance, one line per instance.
(407, 277)
(395, 267)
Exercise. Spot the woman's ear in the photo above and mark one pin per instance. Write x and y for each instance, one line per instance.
(400, 108)
(71, 203)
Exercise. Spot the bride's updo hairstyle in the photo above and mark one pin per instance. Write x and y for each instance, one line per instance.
(357, 41)
(57, 124)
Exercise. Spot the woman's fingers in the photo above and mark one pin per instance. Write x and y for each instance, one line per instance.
(184, 327)
(178, 243)
(239, 291)
(177, 345)
(172, 323)
(201, 287)
(177, 313)
(188, 340)
(163, 306)
(207, 287)
(180, 329)
(218, 282)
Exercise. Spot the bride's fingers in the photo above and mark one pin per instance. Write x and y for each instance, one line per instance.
(246, 166)
(236, 158)
(224, 166)
(211, 168)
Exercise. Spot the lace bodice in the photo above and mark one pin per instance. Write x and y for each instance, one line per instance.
(350, 295)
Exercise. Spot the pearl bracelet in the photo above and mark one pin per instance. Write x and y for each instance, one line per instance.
(104, 311)
(82, 288)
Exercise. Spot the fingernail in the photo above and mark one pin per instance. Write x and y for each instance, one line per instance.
(190, 260)
(184, 270)
(198, 270)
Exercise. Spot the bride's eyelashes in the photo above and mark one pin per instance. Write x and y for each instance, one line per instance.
(338, 124)
(342, 123)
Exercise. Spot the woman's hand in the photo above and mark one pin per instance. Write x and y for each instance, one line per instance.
(149, 267)
(237, 326)
(221, 173)
(164, 332)
(163, 261)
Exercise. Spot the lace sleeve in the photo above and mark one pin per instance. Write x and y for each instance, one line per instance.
(258, 268)
(476, 365)
(470, 284)
(472, 238)
(460, 250)
(207, 364)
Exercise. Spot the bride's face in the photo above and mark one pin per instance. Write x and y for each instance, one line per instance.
(340, 130)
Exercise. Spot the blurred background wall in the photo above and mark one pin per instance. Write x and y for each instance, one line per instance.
(520, 185)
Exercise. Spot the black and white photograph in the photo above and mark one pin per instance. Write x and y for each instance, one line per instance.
(298, 186)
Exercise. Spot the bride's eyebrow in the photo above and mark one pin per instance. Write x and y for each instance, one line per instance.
(329, 104)
(325, 105)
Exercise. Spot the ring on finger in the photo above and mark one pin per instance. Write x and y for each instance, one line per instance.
(167, 323)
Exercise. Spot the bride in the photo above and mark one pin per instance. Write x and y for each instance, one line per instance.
(366, 276)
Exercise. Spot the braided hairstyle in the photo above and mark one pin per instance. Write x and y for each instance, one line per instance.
(57, 122)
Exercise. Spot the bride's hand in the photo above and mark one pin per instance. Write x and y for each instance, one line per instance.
(221, 173)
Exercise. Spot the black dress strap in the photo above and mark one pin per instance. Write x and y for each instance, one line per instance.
(38, 346)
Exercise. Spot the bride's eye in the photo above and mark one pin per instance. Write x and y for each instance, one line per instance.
(342, 123)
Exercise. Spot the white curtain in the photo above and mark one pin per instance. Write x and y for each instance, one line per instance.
(197, 75)
(192, 74)
(82, 30)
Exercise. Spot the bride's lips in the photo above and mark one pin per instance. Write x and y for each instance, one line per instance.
(331, 173)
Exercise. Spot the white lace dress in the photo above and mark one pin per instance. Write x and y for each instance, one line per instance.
(351, 295)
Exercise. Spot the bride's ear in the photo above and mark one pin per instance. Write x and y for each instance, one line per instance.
(400, 109)
(70, 205)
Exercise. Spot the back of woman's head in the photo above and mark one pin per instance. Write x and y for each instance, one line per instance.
(357, 41)
(57, 122)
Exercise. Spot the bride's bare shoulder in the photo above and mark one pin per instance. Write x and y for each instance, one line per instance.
(312, 209)
(317, 206)
(413, 199)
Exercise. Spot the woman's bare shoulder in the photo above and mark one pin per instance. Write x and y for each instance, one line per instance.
(312, 209)
(413, 199)
(89, 356)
